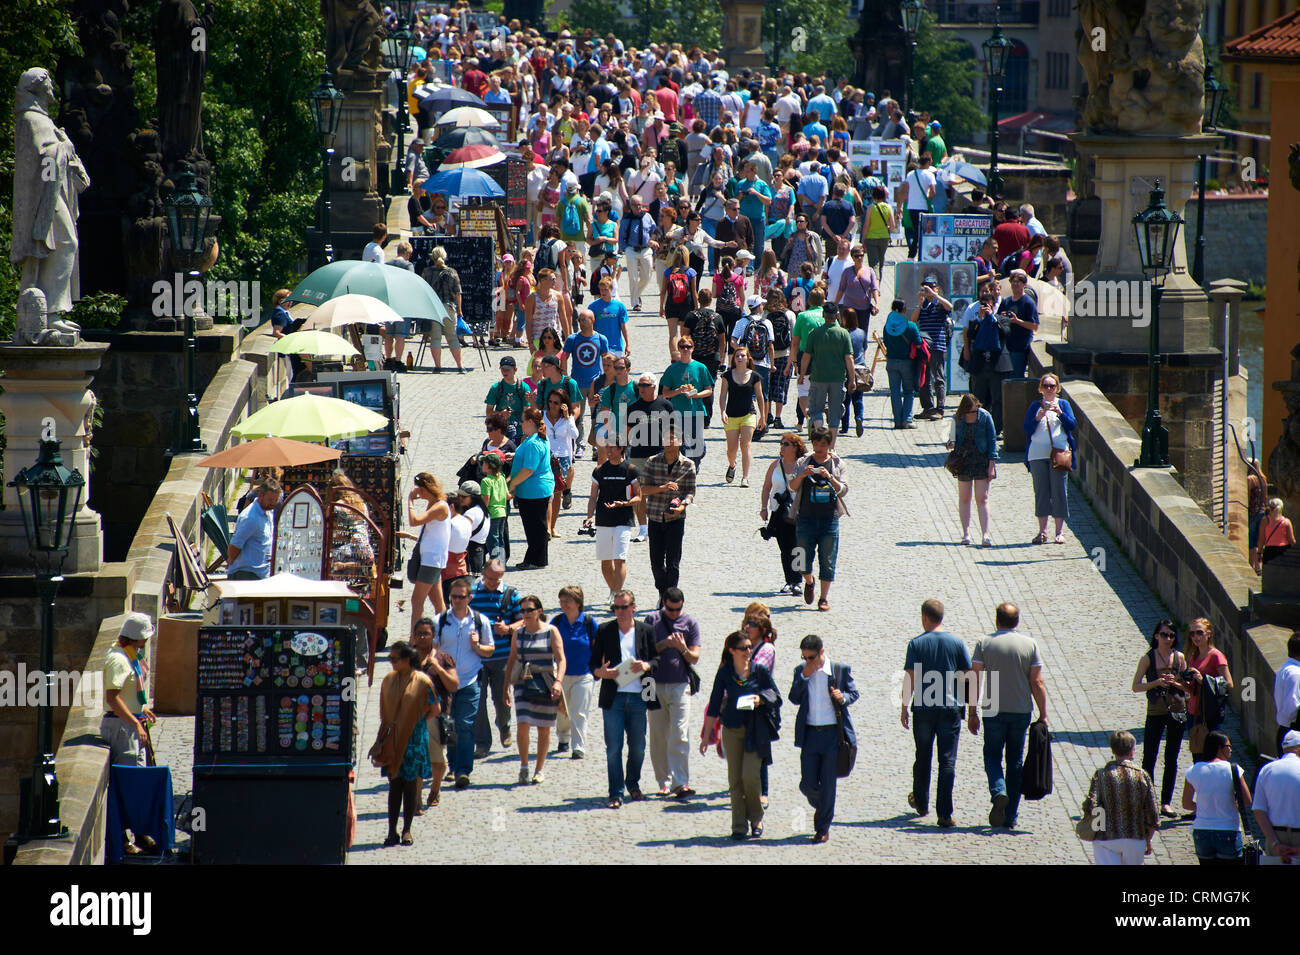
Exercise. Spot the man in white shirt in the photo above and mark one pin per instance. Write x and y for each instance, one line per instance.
(823, 691)
(836, 266)
(757, 340)
(788, 105)
(1286, 690)
(464, 634)
(374, 250)
(1030, 222)
(918, 194)
(1277, 800)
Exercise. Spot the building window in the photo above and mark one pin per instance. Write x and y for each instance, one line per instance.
(1236, 86)
(1015, 85)
(1240, 18)
(1057, 71)
(1256, 89)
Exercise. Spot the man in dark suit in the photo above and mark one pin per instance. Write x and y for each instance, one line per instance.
(823, 691)
(733, 227)
(625, 706)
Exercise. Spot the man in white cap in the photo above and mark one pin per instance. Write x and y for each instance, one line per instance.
(754, 332)
(123, 724)
(1277, 800)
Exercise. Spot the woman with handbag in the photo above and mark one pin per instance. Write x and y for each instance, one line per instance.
(1120, 808)
(861, 373)
(740, 690)
(858, 288)
(424, 569)
(777, 503)
(536, 670)
(1157, 677)
(1276, 535)
(1205, 659)
(757, 625)
(402, 749)
(743, 406)
(1216, 791)
(1049, 425)
(881, 223)
(972, 453)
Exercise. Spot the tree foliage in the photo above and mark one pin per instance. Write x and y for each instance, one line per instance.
(945, 82)
(688, 22)
(812, 35)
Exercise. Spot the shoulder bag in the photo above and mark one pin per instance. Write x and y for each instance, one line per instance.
(1250, 849)
(847, 754)
(1083, 828)
(1062, 458)
(383, 753)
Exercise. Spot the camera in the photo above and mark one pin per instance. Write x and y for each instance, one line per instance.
(587, 531)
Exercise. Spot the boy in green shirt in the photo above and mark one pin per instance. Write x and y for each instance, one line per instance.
(496, 496)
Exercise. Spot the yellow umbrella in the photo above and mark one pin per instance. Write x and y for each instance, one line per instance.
(313, 342)
(310, 418)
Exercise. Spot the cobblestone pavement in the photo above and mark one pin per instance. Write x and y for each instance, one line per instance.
(1082, 601)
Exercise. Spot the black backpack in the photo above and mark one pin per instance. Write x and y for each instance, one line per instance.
(727, 297)
(705, 331)
(781, 331)
(441, 286)
(547, 257)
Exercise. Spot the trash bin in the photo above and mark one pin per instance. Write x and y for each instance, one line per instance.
(176, 662)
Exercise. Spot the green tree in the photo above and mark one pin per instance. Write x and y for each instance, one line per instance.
(945, 82)
(812, 35)
(688, 22)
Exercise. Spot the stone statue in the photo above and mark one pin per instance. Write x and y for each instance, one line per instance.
(353, 31)
(34, 326)
(180, 48)
(48, 178)
(1144, 65)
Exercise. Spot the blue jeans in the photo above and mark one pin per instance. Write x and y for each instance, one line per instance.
(817, 762)
(1217, 843)
(1019, 363)
(820, 535)
(464, 710)
(852, 401)
(1005, 732)
(710, 227)
(929, 726)
(627, 714)
(902, 388)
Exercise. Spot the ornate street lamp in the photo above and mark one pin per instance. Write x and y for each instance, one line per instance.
(996, 50)
(188, 211)
(1156, 228)
(912, 10)
(49, 496)
(1215, 93)
(326, 108)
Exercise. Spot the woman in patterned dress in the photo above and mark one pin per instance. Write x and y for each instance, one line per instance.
(535, 647)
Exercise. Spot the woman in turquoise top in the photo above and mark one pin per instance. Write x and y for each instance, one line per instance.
(902, 340)
(531, 484)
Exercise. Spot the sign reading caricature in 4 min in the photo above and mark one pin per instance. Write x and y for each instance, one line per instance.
(948, 237)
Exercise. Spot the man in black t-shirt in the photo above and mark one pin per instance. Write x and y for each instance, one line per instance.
(837, 219)
(615, 493)
(648, 419)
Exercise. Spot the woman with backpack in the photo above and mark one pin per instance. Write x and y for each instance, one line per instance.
(769, 275)
(729, 292)
(698, 243)
(819, 490)
(1158, 677)
(740, 397)
(781, 319)
(881, 223)
(677, 294)
(1205, 660)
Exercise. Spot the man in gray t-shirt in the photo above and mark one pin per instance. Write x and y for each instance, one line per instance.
(1014, 685)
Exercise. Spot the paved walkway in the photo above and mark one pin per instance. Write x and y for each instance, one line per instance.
(898, 548)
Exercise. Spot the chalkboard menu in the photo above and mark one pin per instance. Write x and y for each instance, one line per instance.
(472, 259)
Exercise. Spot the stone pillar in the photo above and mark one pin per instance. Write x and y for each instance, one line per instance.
(742, 34)
(39, 383)
(1109, 332)
(354, 177)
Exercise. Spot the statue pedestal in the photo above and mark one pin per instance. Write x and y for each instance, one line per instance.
(742, 34)
(42, 383)
(355, 205)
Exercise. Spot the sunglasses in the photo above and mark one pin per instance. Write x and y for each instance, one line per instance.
(668, 609)
(808, 658)
(686, 347)
(1045, 385)
(751, 623)
(623, 606)
(1196, 633)
(460, 596)
(743, 648)
(1165, 634)
(530, 609)
(788, 444)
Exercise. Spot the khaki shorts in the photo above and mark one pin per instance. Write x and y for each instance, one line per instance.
(437, 752)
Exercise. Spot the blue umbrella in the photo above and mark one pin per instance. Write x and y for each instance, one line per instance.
(964, 170)
(463, 182)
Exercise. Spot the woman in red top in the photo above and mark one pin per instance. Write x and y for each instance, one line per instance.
(1204, 660)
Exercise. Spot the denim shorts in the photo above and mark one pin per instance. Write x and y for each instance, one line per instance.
(400, 329)
(1217, 843)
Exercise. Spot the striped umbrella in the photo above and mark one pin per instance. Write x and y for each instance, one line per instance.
(471, 157)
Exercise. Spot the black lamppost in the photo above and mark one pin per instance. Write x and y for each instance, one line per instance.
(49, 496)
(1157, 228)
(996, 50)
(912, 10)
(187, 223)
(776, 38)
(1214, 95)
(326, 108)
(398, 47)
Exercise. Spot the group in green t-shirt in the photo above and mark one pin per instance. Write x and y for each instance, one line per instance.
(676, 375)
(804, 324)
(827, 346)
(511, 397)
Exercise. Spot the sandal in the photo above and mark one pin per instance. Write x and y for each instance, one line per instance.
(407, 840)
(614, 804)
(433, 801)
(1040, 539)
(1060, 538)
(392, 839)
(823, 605)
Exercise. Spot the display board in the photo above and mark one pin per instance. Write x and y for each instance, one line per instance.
(948, 237)
(272, 694)
(886, 159)
(508, 115)
(486, 220)
(472, 259)
(376, 476)
(517, 194)
(300, 535)
(956, 282)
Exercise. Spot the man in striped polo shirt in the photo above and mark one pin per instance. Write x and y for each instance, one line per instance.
(931, 317)
(499, 604)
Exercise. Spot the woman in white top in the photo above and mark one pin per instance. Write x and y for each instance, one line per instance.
(610, 183)
(777, 499)
(432, 539)
(1208, 791)
(562, 437)
(459, 533)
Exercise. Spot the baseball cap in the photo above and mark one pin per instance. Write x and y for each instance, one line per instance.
(753, 302)
(471, 488)
(137, 626)
(571, 188)
(930, 280)
(1292, 738)
(936, 125)
(508, 362)
(507, 258)
(744, 254)
(551, 360)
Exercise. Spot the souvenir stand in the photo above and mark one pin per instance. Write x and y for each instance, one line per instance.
(275, 725)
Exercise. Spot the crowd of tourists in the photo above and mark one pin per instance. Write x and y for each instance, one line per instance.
(728, 198)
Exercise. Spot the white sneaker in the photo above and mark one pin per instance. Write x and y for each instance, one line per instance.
(965, 540)
(744, 482)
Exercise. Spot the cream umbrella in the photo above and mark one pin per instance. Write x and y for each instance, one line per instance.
(352, 309)
(468, 116)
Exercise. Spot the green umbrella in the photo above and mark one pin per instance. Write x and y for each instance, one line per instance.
(314, 342)
(310, 418)
(405, 292)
